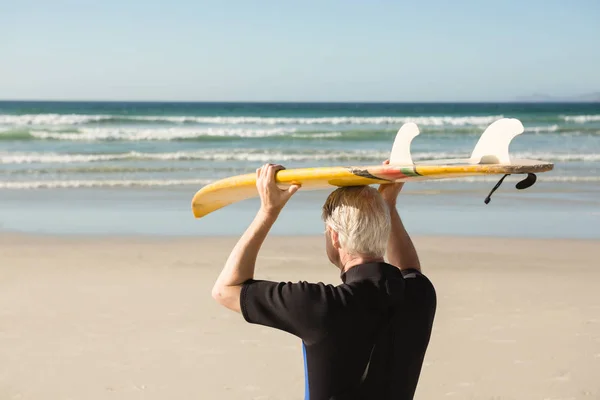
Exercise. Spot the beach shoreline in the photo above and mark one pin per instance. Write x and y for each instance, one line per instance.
(132, 317)
(427, 208)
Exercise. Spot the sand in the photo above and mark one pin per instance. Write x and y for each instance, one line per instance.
(132, 318)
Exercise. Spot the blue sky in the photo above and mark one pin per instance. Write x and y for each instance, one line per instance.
(426, 50)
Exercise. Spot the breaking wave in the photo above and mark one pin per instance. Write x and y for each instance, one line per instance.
(78, 184)
(582, 119)
(262, 155)
(80, 119)
(73, 184)
(96, 134)
(251, 155)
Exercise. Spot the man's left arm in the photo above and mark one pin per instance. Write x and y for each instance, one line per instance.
(240, 265)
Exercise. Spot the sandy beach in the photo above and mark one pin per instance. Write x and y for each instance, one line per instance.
(132, 318)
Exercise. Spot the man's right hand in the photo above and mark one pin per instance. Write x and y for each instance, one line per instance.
(390, 191)
(272, 198)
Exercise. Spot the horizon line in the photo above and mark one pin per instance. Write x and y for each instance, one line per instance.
(302, 101)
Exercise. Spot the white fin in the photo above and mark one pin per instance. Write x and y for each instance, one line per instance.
(401, 149)
(492, 147)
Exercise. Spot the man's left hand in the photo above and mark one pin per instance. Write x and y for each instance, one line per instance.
(272, 198)
(390, 191)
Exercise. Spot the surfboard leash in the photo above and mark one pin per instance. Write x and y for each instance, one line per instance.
(523, 184)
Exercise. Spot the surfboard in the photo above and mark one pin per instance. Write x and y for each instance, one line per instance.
(489, 157)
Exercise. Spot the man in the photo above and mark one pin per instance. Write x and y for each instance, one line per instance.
(363, 339)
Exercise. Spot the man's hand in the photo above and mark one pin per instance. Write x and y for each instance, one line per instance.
(272, 198)
(390, 191)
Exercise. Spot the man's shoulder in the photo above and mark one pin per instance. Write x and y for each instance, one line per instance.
(325, 296)
(315, 298)
(306, 289)
(317, 289)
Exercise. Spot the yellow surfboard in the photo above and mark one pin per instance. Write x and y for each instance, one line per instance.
(490, 157)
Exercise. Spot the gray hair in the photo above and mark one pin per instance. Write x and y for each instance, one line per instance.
(360, 217)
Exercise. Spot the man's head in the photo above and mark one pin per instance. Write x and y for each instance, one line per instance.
(357, 224)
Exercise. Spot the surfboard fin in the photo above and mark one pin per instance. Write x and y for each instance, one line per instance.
(492, 147)
(401, 149)
(521, 185)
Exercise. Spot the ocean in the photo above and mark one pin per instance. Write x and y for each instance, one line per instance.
(133, 167)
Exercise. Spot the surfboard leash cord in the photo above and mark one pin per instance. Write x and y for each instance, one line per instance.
(523, 184)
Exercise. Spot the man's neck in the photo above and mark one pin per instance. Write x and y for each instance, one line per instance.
(358, 260)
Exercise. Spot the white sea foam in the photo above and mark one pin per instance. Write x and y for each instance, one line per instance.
(78, 184)
(348, 120)
(79, 119)
(317, 135)
(54, 158)
(133, 134)
(540, 129)
(541, 178)
(582, 119)
(50, 119)
(550, 157)
(251, 155)
(66, 184)
(262, 155)
(593, 157)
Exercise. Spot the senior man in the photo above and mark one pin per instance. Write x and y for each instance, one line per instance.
(365, 338)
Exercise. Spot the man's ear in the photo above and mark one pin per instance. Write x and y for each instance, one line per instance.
(335, 239)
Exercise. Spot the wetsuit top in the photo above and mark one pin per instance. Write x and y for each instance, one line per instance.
(363, 339)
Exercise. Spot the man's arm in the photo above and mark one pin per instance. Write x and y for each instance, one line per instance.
(400, 250)
(239, 267)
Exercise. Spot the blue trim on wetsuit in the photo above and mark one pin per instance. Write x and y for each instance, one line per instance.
(306, 391)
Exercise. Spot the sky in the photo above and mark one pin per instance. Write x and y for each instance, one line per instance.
(346, 50)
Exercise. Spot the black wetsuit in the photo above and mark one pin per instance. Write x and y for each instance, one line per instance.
(363, 339)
